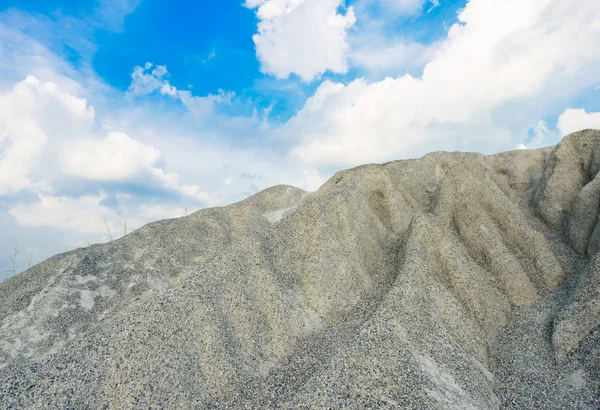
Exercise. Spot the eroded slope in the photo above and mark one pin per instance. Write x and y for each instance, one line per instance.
(393, 286)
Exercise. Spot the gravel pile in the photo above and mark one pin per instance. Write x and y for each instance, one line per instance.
(456, 281)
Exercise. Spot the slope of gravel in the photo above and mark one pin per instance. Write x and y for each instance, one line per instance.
(456, 280)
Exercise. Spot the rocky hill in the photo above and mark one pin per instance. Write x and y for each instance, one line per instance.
(456, 280)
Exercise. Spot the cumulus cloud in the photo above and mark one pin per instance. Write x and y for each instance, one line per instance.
(498, 54)
(39, 151)
(577, 119)
(115, 157)
(305, 37)
(168, 89)
(30, 114)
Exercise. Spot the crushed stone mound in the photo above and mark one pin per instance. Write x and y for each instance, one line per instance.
(455, 281)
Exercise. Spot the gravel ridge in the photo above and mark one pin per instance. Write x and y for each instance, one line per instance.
(457, 281)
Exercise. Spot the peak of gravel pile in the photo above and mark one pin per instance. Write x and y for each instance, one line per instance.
(455, 281)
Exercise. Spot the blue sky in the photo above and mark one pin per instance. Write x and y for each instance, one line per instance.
(139, 109)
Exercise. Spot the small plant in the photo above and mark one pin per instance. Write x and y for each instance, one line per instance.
(108, 230)
(13, 258)
(124, 216)
(124, 219)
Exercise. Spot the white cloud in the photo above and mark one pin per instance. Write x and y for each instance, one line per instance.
(115, 157)
(19, 156)
(305, 37)
(172, 181)
(88, 217)
(146, 80)
(577, 119)
(160, 71)
(212, 162)
(47, 135)
(84, 214)
(168, 89)
(46, 119)
(201, 107)
(499, 54)
(30, 114)
(378, 54)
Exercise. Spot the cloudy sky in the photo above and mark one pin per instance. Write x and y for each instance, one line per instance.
(143, 108)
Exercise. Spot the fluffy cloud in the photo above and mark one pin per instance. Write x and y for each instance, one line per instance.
(147, 79)
(305, 37)
(31, 113)
(498, 54)
(577, 119)
(115, 157)
(38, 152)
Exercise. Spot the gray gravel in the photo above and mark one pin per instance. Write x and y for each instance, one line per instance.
(456, 281)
